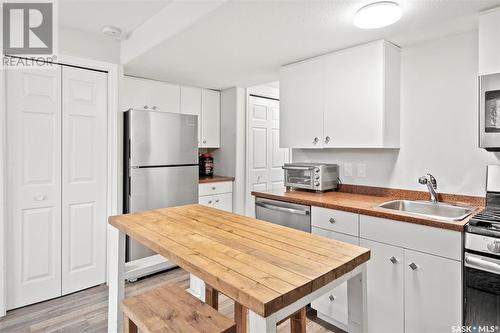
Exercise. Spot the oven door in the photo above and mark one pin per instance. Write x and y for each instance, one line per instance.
(482, 291)
(299, 176)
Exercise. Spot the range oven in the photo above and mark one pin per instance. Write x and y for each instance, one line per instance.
(482, 261)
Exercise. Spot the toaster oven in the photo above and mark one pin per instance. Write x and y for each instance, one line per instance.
(311, 176)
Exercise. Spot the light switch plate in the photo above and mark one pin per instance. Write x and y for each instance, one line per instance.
(361, 170)
(348, 169)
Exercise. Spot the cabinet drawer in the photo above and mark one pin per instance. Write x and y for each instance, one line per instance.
(335, 220)
(215, 188)
(437, 241)
(223, 201)
(207, 200)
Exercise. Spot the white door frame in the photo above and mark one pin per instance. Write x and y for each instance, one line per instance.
(114, 72)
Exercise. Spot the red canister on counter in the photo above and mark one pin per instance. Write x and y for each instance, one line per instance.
(206, 162)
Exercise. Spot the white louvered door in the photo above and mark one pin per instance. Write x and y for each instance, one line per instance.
(34, 185)
(84, 103)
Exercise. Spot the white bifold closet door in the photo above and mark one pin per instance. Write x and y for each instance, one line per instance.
(56, 171)
(84, 144)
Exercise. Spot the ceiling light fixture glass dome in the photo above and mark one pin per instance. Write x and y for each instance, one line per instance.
(377, 15)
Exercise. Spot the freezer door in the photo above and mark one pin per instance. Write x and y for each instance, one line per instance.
(162, 138)
(161, 187)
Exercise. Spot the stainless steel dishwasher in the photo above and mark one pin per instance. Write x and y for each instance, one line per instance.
(283, 213)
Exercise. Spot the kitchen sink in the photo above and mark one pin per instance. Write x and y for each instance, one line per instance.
(443, 211)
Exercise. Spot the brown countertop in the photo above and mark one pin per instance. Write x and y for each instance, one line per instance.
(214, 178)
(365, 204)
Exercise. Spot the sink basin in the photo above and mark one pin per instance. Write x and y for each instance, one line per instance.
(443, 211)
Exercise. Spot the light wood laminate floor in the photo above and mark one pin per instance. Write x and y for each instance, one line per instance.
(86, 311)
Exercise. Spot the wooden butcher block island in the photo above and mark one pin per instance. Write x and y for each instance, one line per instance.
(270, 269)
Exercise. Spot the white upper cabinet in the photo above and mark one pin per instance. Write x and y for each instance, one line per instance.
(191, 104)
(346, 99)
(302, 104)
(210, 118)
(489, 47)
(150, 95)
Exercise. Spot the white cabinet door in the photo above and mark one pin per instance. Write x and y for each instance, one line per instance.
(206, 200)
(150, 95)
(84, 120)
(354, 102)
(224, 201)
(191, 104)
(34, 185)
(332, 306)
(489, 48)
(385, 287)
(433, 293)
(210, 118)
(302, 104)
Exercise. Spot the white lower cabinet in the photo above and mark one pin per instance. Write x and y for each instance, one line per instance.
(385, 287)
(414, 273)
(433, 293)
(217, 195)
(332, 306)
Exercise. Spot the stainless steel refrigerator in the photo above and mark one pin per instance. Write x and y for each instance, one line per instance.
(161, 164)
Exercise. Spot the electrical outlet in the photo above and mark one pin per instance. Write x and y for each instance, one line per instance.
(348, 169)
(361, 170)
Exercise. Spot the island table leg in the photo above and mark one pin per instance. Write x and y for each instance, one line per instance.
(259, 324)
(356, 301)
(116, 278)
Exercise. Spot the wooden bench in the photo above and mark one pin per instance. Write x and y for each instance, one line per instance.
(172, 309)
(297, 320)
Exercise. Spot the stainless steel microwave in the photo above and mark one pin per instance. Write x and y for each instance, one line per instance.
(489, 112)
(311, 176)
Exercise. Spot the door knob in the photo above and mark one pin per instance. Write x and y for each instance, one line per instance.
(413, 266)
(331, 220)
(394, 260)
(327, 139)
(331, 298)
(146, 107)
(154, 107)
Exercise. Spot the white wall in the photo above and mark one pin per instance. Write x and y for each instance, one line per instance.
(87, 45)
(229, 159)
(439, 124)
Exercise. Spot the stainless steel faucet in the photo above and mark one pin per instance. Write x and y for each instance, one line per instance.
(431, 183)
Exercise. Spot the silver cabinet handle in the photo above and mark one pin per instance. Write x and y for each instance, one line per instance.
(331, 220)
(413, 266)
(286, 167)
(327, 139)
(154, 107)
(213, 188)
(204, 141)
(40, 197)
(331, 298)
(394, 260)
(146, 107)
(282, 209)
(316, 140)
(209, 201)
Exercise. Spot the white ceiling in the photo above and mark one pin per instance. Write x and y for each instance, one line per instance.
(92, 15)
(244, 42)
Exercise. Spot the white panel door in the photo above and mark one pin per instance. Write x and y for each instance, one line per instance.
(191, 104)
(433, 293)
(385, 287)
(83, 178)
(265, 157)
(302, 104)
(210, 118)
(34, 185)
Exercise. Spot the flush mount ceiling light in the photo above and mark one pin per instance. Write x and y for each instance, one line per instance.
(377, 15)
